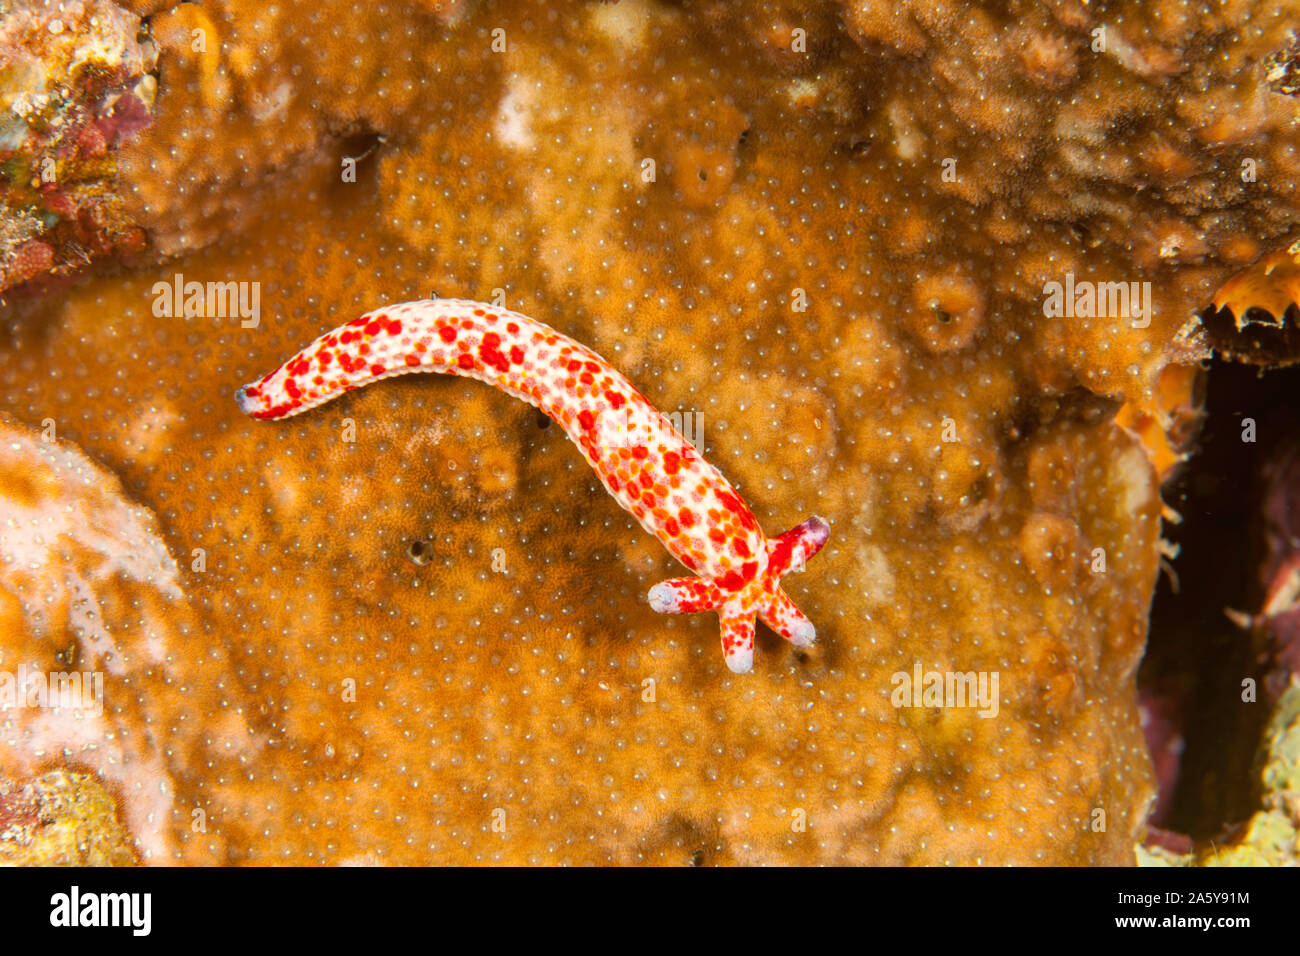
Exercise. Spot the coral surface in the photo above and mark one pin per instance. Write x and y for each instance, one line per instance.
(411, 627)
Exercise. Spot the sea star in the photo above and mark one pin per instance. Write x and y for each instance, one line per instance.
(649, 468)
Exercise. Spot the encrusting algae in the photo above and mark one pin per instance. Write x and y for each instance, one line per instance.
(75, 81)
(62, 819)
(411, 627)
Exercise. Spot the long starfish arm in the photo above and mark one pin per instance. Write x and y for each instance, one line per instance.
(644, 462)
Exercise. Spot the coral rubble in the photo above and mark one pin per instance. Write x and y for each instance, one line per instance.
(75, 81)
(61, 818)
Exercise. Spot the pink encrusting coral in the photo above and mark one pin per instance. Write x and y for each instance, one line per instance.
(644, 462)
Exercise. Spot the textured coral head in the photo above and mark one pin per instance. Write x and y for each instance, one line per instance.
(760, 596)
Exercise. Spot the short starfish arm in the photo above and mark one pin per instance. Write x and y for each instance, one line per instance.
(738, 642)
(685, 596)
(782, 616)
(793, 548)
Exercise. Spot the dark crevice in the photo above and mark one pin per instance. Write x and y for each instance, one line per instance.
(1190, 681)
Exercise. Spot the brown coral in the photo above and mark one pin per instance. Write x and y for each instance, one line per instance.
(425, 623)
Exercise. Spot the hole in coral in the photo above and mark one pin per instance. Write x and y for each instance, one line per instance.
(418, 551)
(1076, 405)
(67, 656)
(1084, 234)
(361, 146)
(697, 858)
(980, 490)
(543, 420)
(703, 174)
(1203, 736)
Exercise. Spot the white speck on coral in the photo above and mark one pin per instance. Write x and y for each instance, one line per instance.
(513, 126)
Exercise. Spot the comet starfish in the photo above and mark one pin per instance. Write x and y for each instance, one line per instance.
(649, 468)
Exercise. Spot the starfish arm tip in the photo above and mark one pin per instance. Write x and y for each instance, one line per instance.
(803, 634)
(740, 663)
(663, 598)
